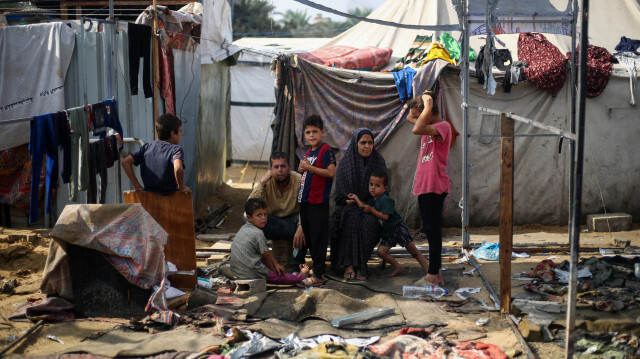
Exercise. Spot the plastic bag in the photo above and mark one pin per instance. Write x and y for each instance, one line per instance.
(487, 251)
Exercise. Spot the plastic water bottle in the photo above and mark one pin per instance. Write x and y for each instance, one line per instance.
(409, 291)
(204, 282)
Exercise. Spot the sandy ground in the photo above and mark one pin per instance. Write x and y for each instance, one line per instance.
(24, 261)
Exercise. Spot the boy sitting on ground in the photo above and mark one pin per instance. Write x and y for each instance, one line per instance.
(394, 231)
(250, 256)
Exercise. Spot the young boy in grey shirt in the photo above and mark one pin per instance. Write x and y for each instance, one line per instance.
(250, 256)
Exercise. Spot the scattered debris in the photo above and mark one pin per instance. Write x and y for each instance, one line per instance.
(361, 317)
(54, 338)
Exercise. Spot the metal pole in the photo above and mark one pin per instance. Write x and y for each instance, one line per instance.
(572, 119)
(575, 238)
(156, 64)
(465, 126)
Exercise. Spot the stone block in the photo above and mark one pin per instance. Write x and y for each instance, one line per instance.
(215, 258)
(247, 287)
(620, 242)
(614, 222)
(213, 238)
(530, 331)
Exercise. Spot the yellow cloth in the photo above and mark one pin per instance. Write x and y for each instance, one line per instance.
(329, 350)
(280, 204)
(438, 51)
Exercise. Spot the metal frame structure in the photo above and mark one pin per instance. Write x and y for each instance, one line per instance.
(576, 147)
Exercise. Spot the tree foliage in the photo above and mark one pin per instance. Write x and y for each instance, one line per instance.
(254, 18)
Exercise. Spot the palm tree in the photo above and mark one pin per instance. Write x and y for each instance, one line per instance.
(349, 22)
(253, 16)
(295, 21)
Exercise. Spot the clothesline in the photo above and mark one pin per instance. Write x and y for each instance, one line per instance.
(25, 119)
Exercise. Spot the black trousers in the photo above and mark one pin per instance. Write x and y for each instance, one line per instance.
(315, 226)
(431, 212)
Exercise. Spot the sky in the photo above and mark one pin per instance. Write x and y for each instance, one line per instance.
(341, 5)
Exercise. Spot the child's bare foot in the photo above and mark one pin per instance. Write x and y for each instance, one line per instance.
(440, 279)
(396, 270)
(432, 279)
(304, 270)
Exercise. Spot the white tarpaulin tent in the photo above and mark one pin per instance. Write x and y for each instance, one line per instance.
(252, 95)
(541, 163)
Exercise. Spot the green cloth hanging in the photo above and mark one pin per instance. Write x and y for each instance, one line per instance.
(454, 47)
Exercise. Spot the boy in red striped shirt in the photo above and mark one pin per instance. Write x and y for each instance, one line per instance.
(318, 170)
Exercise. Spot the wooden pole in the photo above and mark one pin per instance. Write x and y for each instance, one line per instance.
(506, 210)
(156, 66)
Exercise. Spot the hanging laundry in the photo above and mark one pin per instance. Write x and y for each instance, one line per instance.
(454, 47)
(78, 122)
(547, 67)
(404, 83)
(438, 51)
(97, 192)
(630, 61)
(516, 71)
(599, 68)
(98, 123)
(140, 46)
(628, 45)
(34, 63)
(63, 139)
(417, 52)
(501, 60)
(42, 142)
(112, 120)
(112, 150)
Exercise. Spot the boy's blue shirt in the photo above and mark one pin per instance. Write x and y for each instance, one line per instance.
(156, 166)
(386, 205)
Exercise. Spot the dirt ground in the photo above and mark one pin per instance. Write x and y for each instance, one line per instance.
(24, 260)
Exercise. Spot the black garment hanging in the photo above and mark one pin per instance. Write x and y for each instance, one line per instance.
(502, 61)
(97, 192)
(139, 46)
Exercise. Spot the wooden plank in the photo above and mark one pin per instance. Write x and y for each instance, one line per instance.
(175, 215)
(506, 210)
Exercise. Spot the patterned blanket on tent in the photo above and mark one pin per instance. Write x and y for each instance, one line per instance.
(344, 102)
(128, 237)
(347, 57)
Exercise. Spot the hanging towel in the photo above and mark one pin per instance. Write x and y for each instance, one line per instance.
(140, 46)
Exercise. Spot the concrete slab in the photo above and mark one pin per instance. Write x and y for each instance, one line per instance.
(614, 222)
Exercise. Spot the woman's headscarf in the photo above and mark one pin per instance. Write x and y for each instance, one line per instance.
(354, 170)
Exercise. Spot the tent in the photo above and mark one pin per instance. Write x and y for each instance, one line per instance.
(252, 95)
(542, 165)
